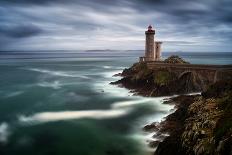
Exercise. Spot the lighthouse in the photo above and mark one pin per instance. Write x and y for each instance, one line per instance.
(150, 44)
(152, 48)
(158, 50)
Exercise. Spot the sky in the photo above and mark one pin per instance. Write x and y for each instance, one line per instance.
(182, 25)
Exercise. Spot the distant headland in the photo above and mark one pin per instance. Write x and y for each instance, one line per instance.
(201, 124)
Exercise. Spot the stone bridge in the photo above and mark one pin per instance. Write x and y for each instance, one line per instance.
(209, 73)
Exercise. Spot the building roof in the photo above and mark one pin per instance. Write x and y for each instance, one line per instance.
(150, 28)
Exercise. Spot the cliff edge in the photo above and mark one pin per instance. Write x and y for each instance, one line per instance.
(201, 125)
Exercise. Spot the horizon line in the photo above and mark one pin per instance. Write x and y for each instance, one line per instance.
(84, 50)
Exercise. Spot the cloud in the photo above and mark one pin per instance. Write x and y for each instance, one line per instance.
(19, 31)
(101, 24)
(28, 1)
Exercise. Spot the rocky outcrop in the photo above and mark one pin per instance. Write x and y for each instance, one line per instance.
(175, 59)
(201, 125)
(173, 126)
(159, 82)
(172, 76)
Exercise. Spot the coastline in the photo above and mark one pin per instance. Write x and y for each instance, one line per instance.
(170, 128)
(190, 128)
(159, 131)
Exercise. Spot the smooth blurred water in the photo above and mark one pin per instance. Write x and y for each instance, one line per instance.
(61, 102)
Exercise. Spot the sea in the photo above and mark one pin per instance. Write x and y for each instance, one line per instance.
(61, 102)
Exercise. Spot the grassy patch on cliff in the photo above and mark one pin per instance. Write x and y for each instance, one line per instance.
(142, 72)
(162, 77)
(175, 59)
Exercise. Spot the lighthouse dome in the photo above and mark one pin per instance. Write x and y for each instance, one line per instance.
(150, 28)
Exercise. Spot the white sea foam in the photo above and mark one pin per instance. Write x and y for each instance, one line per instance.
(156, 102)
(113, 67)
(162, 110)
(197, 93)
(4, 132)
(54, 85)
(111, 74)
(125, 104)
(118, 109)
(107, 67)
(112, 89)
(67, 115)
(57, 73)
(15, 93)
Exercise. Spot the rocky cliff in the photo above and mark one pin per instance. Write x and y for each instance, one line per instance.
(201, 125)
(163, 80)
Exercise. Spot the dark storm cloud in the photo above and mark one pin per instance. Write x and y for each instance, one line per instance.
(120, 23)
(207, 12)
(19, 31)
(45, 2)
(28, 1)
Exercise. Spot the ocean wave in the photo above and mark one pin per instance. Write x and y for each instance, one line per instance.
(112, 90)
(67, 115)
(54, 85)
(118, 109)
(111, 74)
(57, 73)
(4, 132)
(13, 94)
(107, 67)
(197, 93)
(112, 67)
(125, 104)
(161, 111)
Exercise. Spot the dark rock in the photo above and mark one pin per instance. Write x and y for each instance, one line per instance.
(217, 89)
(160, 82)
(151, 127)
(118, 74)
(200, 125)
(159, 136)
(154, 144)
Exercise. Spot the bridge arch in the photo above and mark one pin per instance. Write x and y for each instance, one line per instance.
(184, 73)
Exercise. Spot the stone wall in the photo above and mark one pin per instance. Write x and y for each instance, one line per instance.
(207, 74)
